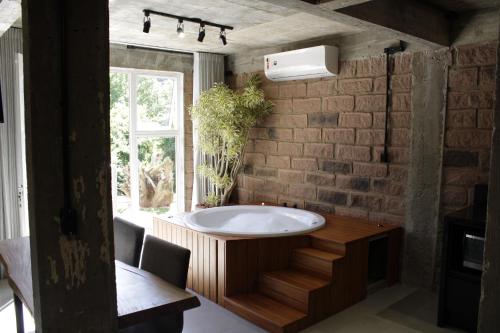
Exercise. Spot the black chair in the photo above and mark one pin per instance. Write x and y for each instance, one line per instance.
(171, 263)
(128, 241)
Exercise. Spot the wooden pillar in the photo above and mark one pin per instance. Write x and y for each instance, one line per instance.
(66, 66)
(489, 320)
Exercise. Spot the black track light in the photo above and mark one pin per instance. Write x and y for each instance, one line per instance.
(222, 36)
(147, 23)
(201, 34)
(180, 29)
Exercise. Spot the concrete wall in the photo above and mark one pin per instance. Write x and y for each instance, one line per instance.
(121, 56)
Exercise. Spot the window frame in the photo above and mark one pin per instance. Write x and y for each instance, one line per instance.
(134, 133)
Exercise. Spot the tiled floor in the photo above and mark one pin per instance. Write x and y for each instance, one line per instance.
(399, 309)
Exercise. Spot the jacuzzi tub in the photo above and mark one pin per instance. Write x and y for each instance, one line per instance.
(254, 221)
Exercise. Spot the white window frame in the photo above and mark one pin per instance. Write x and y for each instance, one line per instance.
(178, 133)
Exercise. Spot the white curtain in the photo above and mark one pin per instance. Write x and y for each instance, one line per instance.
(208, 70)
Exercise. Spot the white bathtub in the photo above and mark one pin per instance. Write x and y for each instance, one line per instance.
(254, 221)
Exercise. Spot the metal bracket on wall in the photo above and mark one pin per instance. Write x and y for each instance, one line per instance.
(389, 52)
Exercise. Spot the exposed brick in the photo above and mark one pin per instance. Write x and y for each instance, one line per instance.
(273, 120)
(372, 202)
(306, 105)
(353, 153)
(251, 183)
(400, 119)
(320, 179)
(321, 88)
(400, 137)
(265, 197)
(339, 103)
(464, 176)
(318, 207)
(463, 78)
(368, 137)
(281, 162)
(332, 197)
(339, 135)
(370, 169)
(487, 77)
(258, 133)
(290, 149)
(266, 146)
(271, 90)
(374, 66)
(484, 160)
(379, 217)
(255, 159)
(293, 121)
(322, 150)
(274, 187)
(476, 55)
(355, 86)
(291, 176)
(282, 105)
(335, 167)
(458, 158)
(284, 134)
(265, 172)
(401, 102)
(454, 196)
(370, 103)
(310, 164)
(402, 63)
(355, 120)
(401, 83)
(398, 173)
(322, 119)
(389, 187)
(307, 134)
(379, 120)
(355, 183)
(471, 100)
(458, 138)
(351, 212)
(461, 118)
(394, 205)
(290, 202)
(248, 169)
(250, 146)
(485, 119)
(398, 155)
(302, 191)
(347, 69)
(380, 85)
(244, 196)
(292, 90)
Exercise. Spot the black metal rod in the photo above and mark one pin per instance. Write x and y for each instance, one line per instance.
(18, 307)
(148, 12)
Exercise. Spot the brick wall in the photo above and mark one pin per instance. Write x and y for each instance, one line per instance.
(471, 94)
(320, 149)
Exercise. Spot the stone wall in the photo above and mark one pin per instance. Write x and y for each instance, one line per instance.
(471, 95)
(321, 147)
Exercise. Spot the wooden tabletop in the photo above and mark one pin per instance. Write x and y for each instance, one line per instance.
(141, 296)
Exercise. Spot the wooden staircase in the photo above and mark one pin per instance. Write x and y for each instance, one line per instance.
(291, 299)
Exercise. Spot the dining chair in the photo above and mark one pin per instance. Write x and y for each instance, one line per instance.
(128, 241)
(171, 263)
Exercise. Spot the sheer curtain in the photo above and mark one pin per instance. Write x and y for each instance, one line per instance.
(208, 70)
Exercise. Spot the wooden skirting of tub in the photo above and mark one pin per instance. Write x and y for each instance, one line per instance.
(285, 284)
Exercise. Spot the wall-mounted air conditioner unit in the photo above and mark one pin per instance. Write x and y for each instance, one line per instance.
(309, 63)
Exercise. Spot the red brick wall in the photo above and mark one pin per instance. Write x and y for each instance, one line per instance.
(320, 149)
(471, 94)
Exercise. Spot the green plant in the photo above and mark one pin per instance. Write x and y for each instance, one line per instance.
(224, 118)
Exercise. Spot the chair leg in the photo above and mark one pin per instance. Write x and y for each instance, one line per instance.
(18, 306)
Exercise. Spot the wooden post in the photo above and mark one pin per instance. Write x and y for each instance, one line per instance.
(66, 66)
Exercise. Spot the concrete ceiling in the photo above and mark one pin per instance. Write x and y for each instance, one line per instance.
(256, 24)
(464, 5)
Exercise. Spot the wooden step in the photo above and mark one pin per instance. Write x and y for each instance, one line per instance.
(265, 312)
(327, 245)
(291, 287)
(314, 260)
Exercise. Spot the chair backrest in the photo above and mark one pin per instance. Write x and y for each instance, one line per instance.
(166, 260)
(128, 241)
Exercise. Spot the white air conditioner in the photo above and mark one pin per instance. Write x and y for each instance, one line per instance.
(309, 63)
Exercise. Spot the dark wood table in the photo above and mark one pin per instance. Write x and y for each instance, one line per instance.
(141, 296)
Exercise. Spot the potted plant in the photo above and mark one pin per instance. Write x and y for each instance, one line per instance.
(224, 118)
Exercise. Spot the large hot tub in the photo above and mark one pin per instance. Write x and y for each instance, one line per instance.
(254, 221)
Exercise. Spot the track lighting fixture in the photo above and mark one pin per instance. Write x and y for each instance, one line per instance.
(180, 29)
(201, 33)
(222, 36)
(147, 23)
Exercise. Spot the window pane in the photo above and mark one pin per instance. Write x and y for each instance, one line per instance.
(120, 156)
(155, 103)
(156, 173)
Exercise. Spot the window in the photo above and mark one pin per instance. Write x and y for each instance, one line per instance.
(146, 109)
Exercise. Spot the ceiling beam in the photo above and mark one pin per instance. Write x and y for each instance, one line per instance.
(411, 21)
(336, 4)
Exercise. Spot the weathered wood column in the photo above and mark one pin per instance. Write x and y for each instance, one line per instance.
(489, 319)
(66, 66)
